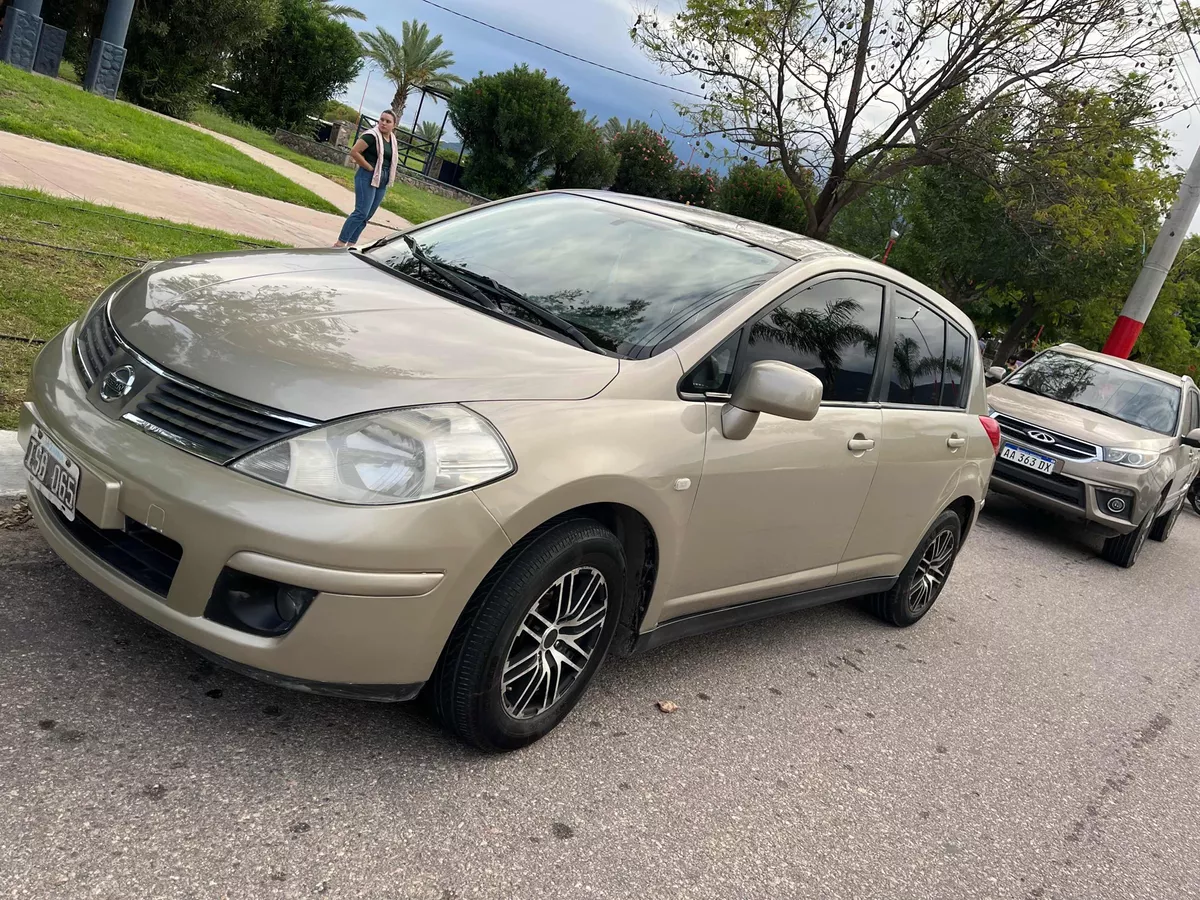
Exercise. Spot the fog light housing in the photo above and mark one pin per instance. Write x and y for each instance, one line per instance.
(256, 605)
(1115, 503)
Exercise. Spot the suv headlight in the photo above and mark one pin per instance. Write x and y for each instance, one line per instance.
(386, 458)
(1134, 459)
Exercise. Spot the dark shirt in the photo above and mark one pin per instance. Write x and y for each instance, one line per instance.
(371, 153)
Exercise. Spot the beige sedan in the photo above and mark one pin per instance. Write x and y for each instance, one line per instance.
(475, 458)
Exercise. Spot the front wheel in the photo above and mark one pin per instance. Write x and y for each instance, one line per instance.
(1123, 550)
(923, 578)
(531, 638)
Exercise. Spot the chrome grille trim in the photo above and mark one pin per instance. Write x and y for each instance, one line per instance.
(1064, 446)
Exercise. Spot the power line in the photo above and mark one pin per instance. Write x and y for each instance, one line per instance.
(589, 62)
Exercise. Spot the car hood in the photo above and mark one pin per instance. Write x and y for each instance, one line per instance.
(323, 334)
(1071, 420)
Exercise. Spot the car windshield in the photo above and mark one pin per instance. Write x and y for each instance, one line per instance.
(1137, 399)
(626, 279)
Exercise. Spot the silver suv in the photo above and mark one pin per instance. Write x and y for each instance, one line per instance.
(1107, 442)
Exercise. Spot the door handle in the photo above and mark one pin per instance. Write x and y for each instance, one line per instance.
(860, 444)
(954, 442)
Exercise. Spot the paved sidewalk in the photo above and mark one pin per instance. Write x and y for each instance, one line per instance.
(77, 174)
(342, 198)
(12, 473)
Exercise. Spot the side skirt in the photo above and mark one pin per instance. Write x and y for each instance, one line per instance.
(728, 616)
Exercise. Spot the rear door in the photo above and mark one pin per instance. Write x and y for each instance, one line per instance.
(926, 429)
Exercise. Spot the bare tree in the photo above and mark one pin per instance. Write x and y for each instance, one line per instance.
(839, 92)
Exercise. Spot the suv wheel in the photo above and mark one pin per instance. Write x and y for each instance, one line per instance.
(531, 638)
(1164, 524)
(1123, 549)
(925, 575)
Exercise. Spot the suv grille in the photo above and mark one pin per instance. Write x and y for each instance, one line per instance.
(204, 422)
(1062, 445)
(140, 554)
(1059, 487)
(95, 346)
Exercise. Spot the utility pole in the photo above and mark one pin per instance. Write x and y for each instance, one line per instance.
(1154, 271)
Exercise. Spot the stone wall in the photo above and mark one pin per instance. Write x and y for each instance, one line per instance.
(329, 153)
(436, 187)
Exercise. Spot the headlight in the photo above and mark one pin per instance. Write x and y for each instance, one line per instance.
(1134, 459)
(391, 457)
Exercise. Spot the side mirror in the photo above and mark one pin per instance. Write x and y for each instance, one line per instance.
(994, 374)
(771, 387)
(1192, 438)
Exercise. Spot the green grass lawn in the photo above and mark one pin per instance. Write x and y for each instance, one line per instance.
(402, 199)
(58, 112)
(41, 289)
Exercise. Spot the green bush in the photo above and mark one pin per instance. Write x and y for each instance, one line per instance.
(337, 111)
(306, 59)
(696, 187)
(646, 163)
(515, 125)
(764, 194)
(588, 163)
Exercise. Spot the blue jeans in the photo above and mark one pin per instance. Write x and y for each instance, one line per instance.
(366, 202)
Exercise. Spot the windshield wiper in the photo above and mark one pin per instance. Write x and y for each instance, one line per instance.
(449, 275)
(559, 324)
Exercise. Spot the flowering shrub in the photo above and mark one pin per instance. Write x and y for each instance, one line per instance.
(695, 187)
(646, 163)
(763, 194)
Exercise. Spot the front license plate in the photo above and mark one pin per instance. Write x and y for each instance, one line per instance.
(52, 473)
(1038, 463)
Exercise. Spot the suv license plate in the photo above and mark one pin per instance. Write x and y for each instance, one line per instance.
(52, 473)
(1043, 464)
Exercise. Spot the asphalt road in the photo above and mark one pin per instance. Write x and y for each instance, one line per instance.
(1035, 736)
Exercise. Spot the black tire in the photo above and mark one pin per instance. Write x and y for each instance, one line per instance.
(1123, 550)
(1164, 524)
(900, 606)
(466, 689)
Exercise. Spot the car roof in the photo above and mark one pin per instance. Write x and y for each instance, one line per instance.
(1126, 364)
(796, 247)
(785, 243)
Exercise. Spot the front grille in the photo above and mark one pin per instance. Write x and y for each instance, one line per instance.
(207, 423)
(1059, 487)
(1063, 445)
(95, 346)
(140, 554)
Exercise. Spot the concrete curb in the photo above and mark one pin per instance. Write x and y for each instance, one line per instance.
(12, 471)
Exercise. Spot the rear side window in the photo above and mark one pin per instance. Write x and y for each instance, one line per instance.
(957, 348)
(918, 354)
(1193, 413)
(831, 329)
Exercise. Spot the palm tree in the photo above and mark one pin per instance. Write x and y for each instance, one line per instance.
(413, 62)
(429, 130)
(339, 11)
(613, 127)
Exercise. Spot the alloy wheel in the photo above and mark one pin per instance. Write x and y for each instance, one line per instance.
(931, 571)
(555, 643)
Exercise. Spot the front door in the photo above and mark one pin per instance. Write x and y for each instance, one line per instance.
(775, 511)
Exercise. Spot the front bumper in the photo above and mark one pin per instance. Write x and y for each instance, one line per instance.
(1076, 489)
(392, 581)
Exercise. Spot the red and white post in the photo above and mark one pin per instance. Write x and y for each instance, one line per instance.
(1158, 263)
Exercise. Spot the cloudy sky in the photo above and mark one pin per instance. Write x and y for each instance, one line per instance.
(595, 29)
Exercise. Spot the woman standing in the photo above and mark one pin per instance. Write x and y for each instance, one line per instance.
(376, 170)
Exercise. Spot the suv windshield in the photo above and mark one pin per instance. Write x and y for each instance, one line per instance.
(1109, 390)
(625, 278)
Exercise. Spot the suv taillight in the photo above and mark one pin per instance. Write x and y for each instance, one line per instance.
(993, 432)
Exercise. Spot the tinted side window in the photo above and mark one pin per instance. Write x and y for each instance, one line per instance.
(831, 329)
(1193, 413)
(918, 354)
(715, 374)
(956, 367)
